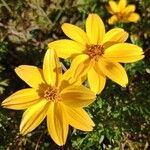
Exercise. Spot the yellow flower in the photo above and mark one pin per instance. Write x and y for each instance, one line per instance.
(50, 95)
(121, 12)
(97, 54)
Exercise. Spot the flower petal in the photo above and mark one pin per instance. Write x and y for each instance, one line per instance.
(113, 19)
(114, 71)
(129, 9)
(31, 75)
(113, 36)
(56, 123)
(113, 6)
(51, 68)
(109, 10)
(77, 96)
(79, 119)
(21, 99)
(122, 4)
(67, 80)
(75, 33)
(124, 52)
(80, 66)
(67, 75)
(134, 17)
(116, 35)
(66, 48)
(96, 81)
(33, 116)
(95, 29)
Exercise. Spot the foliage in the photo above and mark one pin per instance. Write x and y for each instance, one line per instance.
(121, 115)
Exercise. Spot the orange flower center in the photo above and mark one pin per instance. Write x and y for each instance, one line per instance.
(120, 16)
(94, 51)
(49, 93)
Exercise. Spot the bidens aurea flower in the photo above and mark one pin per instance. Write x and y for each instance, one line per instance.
(51, 95)
(121, 12)
(97, 54)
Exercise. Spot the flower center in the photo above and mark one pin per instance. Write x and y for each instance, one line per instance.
(121, 16)
(52, 94)
(95, 51)
(49, 93)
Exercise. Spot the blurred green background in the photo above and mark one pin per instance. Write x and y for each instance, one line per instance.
(121, 115)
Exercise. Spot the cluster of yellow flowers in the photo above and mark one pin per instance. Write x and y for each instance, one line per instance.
(61, 97)
(121, 12)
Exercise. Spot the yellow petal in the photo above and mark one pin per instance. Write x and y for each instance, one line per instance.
(113, 36)
(129, 9)
(33, 116)
(80, 66)
(96, 81)
(56, 123)
(134, 17)
(31, 75)
(95, 28)
(113, 6)
(124, 52)
(77, 96)
(114, 71)
(113, 19)
(67, 80)
(66, 48)
(122, 4)
(21, 99)
(79, 119)
(51, 68)
(67, 75)
(109, 10)
(75, 33)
